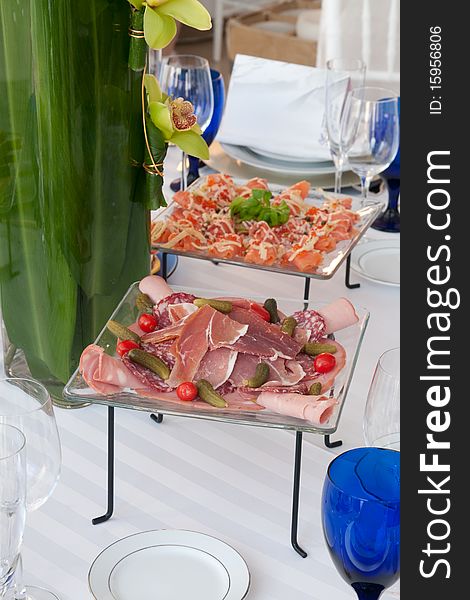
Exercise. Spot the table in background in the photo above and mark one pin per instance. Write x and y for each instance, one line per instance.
(225, 480)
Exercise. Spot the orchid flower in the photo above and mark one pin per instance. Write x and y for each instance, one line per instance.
(161, 15)
(176, 120)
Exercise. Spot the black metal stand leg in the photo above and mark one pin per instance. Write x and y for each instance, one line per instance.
(164, 265)
(109, 512)
(296, 494)
(306, 292)
(330, 444)
(164, 270)
(351, 286)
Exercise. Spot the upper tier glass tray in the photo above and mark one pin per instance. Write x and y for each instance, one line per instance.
(332, 260)
(126, 313)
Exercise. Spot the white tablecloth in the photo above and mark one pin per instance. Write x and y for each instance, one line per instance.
(225, 480)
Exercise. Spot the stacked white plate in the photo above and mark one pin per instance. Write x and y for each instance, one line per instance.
(277, 162)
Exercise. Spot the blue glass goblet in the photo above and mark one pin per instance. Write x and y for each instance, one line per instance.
(390, 219)
(361, 518)
(218, 87)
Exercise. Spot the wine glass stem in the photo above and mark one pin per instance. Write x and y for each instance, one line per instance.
(18, 586)
(339, 163)
(365, 184)
(184, 172)
(367, 591)
(393, 186)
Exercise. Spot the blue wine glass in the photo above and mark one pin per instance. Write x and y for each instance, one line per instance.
(361, 518)
(188, 76)
(218, 87)
(390, 219)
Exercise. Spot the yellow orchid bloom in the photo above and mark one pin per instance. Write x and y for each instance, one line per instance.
(161, 15)
(176, 120)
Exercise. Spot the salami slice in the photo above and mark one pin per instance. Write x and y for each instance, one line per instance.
(163, 350)
(146, 376)
(313, 322)
(161, 308)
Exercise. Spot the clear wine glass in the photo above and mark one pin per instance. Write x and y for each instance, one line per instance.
(361, 518)
(12, 503)
(343, 75)
(189, 77)
(382, 414)
(26, 404)
(370, 132)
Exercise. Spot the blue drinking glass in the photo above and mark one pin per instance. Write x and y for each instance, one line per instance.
(218, 87)
(390, 219)
(361, 518)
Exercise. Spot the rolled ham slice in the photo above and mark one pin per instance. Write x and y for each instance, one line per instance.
(339, 315)
(105, 374)
(314, 409)
(326, 379)
(155, 287)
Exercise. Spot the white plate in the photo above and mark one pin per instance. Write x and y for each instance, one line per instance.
(222, 162)
(296, 160)
(270, 164)
(378, 260)
(169, 565)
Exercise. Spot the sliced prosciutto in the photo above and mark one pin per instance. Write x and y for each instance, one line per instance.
(217, 366)
(105, 374)
(165, 309)
(166, 333)
(281, 372)
(191, 346)
(314, 409)
(176, 312)
(224, 331)
(262, 338)
(203, 329)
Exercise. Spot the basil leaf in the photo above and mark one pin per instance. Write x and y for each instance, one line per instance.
(262, 195)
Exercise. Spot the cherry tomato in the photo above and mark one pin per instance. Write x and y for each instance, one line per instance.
(186, 391)
(147, 322)
(125, 346)
(324, 362)
(260, 311)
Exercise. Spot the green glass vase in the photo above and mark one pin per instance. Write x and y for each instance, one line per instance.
(73, 221)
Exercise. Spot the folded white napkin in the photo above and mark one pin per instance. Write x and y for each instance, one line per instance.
(277, 107)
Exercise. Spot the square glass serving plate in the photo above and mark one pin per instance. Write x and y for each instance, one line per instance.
(126, 313)
(331, 261)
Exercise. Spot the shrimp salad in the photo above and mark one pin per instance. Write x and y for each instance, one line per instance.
(247, 222)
